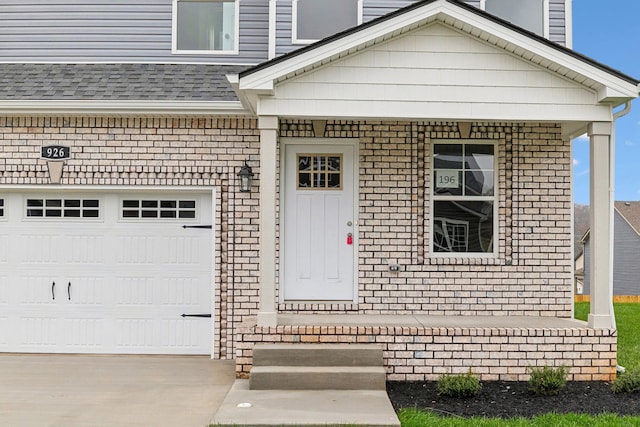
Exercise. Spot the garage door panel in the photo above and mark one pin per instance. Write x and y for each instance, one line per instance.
(84, 250)
(40, 332)
(184, 334)
(83, 334)
(135, 250)
(39, 290)
(84, 291)
(134, 291)
(130, 279)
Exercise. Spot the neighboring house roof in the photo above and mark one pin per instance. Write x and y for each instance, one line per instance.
(30, 85)
(629, 211)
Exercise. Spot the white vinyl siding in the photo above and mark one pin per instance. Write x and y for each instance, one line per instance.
(433, 72)
(115, 31)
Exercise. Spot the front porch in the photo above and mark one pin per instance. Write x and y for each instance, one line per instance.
(422, 347)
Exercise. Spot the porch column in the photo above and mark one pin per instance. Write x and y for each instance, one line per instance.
(601, 234)
(268, 126)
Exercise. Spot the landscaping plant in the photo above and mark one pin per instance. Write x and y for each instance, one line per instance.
(548, 381)
(629, 382)
(459, 385)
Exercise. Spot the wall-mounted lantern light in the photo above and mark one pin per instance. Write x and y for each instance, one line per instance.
(246, 177)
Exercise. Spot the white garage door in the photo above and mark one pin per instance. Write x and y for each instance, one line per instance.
(106, 273)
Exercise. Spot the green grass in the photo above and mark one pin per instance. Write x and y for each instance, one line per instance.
(627, 319)
(416, 418)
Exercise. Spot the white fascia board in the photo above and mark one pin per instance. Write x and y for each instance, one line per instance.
(145, 107)
(244, 97)
(449, 14)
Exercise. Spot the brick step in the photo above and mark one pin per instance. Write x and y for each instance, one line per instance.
(317, 378)
(317, 355)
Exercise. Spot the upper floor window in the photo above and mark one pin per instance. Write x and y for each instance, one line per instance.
(314, 19)
(464, 198)
(528, 14)
(205, 26)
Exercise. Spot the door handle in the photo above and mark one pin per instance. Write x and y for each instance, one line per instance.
(69, 291)
(53, 291)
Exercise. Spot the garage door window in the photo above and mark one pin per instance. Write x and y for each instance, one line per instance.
(63, 208)
(1, 208)
(160, 209)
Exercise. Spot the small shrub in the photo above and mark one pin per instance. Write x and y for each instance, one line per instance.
(461, 385)
(548, 381)
(629, 382)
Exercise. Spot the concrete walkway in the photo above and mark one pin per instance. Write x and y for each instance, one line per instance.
(122, 391)
(262, 408)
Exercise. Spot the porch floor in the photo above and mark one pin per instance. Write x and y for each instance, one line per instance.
(426, 321)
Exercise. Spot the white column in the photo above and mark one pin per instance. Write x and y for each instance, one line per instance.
(601, 232)
(268, 161)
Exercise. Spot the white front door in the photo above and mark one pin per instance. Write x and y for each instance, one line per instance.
(105, 272)
(319, 223)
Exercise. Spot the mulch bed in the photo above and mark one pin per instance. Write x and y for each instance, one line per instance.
(513, 399)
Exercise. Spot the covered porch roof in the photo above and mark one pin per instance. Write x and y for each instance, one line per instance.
(437, 60)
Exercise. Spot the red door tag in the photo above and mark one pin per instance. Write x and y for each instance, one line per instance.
(349, 239)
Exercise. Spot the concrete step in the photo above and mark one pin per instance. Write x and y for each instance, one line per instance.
(317, 378)
(317, 355)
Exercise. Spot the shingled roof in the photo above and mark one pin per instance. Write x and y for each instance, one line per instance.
(630, 211)
(185, 82)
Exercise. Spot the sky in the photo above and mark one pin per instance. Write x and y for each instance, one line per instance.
(609, 32)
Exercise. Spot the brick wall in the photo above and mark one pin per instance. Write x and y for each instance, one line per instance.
(159, 151)
(424, 354)
(532, 274)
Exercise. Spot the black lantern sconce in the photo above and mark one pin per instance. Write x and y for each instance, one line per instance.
(246, 178)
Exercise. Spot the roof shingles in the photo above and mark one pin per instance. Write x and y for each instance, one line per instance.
(185, 82)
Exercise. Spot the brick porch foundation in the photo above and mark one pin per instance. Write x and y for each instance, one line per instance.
(419, 354)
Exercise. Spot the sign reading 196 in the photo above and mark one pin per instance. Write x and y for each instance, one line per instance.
(447, 178)
(56, 152)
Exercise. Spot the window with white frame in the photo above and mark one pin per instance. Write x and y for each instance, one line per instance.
(464, 198)
(528, 14)
(316, 19)
(1, 208)
(158, 209)
(63, 208)
(205, 26)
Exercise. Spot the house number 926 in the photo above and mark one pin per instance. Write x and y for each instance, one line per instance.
(55, 152)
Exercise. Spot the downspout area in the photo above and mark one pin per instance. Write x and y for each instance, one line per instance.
(612, 154)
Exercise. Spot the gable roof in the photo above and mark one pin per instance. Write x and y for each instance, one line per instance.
(612, 86)
(87, 86)
(628, 211)
(459, 3)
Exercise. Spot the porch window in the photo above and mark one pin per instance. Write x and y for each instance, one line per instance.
(205, 26)
(528, 14)
(314, 20)
(464, 198)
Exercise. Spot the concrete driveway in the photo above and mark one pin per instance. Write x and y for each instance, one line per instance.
(122, 391)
